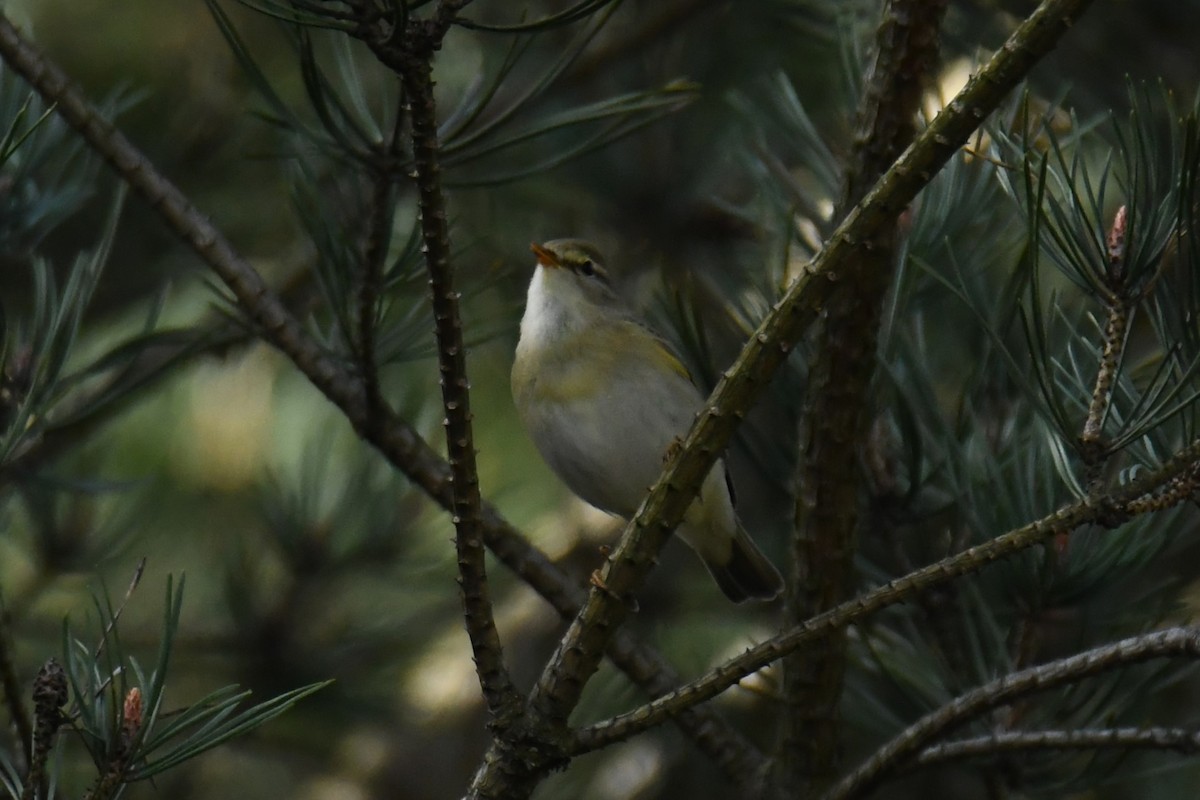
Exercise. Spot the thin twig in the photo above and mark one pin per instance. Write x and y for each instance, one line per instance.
(1174, 642)
(1120, 305)
(1116, 328)
(1180, 740)
(722, 744)
(505, 702)
(134, 581)
(1178, 490)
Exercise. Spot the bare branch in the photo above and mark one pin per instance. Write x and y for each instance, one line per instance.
(505, 703)
(1107, 511)
(1178, 490)
(737, 758)
(1174, 642)
(1180, 740)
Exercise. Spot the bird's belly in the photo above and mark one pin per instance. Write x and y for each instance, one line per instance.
(609, 447)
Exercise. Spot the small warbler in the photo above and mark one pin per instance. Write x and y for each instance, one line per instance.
(604, 398)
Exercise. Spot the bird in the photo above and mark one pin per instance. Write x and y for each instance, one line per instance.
(604, 399)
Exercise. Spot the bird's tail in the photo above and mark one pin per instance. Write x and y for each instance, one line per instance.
(748, 574)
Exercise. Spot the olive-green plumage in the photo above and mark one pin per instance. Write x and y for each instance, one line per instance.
(604, 398)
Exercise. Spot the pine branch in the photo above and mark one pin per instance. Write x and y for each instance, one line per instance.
(1120, 304)
(392, 436)
(1178, 490)
(578, 654)
(1180, 740)
(272, 318)
(1172, 643)
(1111, 510)
(505, 702)
(262, 305)
(833, 432)
(722, 745)
(1116, 328)
(408, 46)
(127, 739)
(94, 408)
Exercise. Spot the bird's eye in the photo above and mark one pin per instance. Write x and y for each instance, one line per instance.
(586, 267)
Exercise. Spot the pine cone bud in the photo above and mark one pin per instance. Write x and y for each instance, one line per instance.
(50, 692)
(131, 718)
(1115, 244)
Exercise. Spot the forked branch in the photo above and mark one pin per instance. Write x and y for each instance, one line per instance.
(1106, 511)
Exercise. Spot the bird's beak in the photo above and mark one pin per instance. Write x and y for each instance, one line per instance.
(544, 256)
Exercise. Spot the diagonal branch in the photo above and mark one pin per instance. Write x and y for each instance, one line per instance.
(262, 306)
(393, 437)
(578, 655)
(1179, 740)
(1174, 642)
(1110, 511)
(505, 703)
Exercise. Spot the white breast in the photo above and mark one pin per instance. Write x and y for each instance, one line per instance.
(607, 433)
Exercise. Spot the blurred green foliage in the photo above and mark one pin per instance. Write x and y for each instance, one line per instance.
(309, 559)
